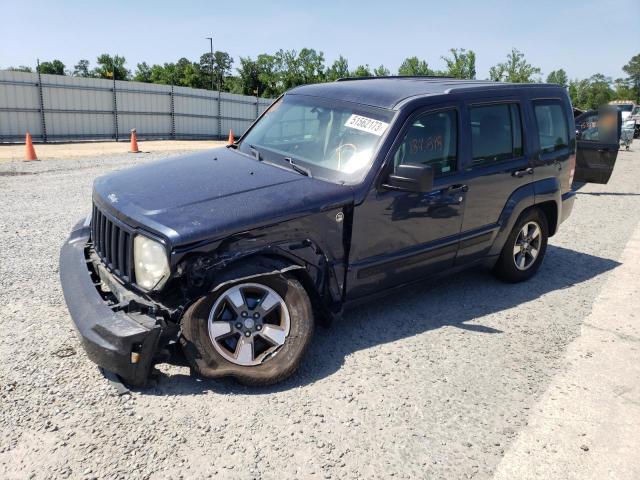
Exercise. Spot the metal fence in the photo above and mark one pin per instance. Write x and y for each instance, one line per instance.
(60, 108)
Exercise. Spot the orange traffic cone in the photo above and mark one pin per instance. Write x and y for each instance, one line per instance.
(30, 152)
(231, 138)
(134, 142)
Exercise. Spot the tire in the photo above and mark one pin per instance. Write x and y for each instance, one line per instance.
(212, 354)
(510, 267)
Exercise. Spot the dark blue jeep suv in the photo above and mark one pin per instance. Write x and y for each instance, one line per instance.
(337, 193)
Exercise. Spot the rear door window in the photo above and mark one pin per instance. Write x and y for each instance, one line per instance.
(587, 126)
(552, 125)
(496, 133)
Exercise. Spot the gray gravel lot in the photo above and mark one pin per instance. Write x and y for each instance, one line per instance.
(435, 382)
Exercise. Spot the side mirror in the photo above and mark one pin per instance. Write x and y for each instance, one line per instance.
(411, 177)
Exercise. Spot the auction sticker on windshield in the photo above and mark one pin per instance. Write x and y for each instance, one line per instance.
(366, 124)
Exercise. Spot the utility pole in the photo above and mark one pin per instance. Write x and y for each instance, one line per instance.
(211, 58)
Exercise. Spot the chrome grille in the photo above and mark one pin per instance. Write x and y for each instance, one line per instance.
(113, 244)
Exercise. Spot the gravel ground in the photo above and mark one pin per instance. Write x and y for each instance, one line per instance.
(435, 382)
(65, 151)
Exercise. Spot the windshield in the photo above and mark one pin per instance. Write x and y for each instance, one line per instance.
(625, 108)
(334, 141)
(636, 111)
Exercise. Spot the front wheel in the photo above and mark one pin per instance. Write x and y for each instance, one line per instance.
(524, 250)
(254, 331)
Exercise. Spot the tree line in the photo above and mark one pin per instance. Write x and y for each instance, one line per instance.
(269, 75)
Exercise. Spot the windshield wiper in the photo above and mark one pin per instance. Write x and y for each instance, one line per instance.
(302, 170)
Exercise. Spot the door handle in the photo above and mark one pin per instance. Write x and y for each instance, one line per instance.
(522, 173)
(457, 188)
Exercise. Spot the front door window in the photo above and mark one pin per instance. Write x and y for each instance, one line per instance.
(431, 140)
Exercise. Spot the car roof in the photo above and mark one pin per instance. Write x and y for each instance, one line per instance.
(389, 92)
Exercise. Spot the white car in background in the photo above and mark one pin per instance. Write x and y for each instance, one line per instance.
(627, 133)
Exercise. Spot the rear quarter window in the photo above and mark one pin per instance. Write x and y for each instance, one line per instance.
(553, 132)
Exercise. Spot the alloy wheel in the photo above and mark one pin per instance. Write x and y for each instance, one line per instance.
(527, 245)
(248, 324)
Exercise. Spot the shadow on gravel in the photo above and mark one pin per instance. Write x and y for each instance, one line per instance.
(452, 302)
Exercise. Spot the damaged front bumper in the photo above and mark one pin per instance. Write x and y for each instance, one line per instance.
(119, 334)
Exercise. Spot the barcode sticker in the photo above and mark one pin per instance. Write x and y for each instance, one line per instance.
(366, 124)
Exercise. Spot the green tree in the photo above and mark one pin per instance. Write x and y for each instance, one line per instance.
(109, 66)
(233, 84)
(633, 70)
(54, 67)
(222, 63)
(268, 76)
(461, 64)
(559, 77)
(293, 68)
(339, 69)
(516, 69)
(249, 76)
(286, 69)
(623, 89)
(311, 65)
(413, 66)
(258, 75)
(361, 71)
(600, 91)
(381, 71)
(591, 93)
(81, 69)
(142, 73)
(188, 74)
(579, 93)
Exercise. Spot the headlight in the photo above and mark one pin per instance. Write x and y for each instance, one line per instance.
(151, 263)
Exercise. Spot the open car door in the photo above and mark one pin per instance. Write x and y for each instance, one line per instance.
(598, 140)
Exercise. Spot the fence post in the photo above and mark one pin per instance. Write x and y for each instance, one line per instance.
(219, 117)
(173, 116)
(115, 107)
(41, 97)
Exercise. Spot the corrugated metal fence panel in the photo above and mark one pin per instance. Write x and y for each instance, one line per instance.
(84, 108)
(19, 106)
(145, 107)
(264, 104)
(196, 112)
(238, 112)
(78, 107)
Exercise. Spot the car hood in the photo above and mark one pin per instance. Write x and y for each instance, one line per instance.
(211, 194)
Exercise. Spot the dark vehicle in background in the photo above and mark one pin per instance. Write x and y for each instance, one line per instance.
(338, 193)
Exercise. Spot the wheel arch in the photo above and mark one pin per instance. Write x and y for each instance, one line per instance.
(550, 210)
(253, 266)
(543, 194)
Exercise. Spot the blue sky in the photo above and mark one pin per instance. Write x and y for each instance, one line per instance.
(584, 37)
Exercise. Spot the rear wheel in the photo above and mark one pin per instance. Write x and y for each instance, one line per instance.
(524, 250)
(254, 331)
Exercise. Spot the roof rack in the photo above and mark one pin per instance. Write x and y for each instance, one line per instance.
(402, 77)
